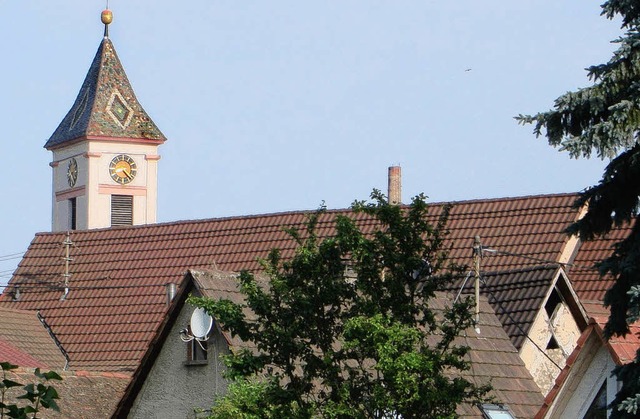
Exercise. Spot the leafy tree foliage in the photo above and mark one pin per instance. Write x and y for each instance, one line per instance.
(347, 328)
(604, 119)
(36, 396)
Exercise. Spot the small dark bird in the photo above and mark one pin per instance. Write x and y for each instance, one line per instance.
(468, 69)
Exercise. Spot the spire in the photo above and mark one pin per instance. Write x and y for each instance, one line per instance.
(106, 106)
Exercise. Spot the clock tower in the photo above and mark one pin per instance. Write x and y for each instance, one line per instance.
(105, 151)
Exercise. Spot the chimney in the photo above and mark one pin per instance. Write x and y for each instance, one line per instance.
(395, 185)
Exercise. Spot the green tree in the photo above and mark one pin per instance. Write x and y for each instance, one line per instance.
(346, 328)
(604, 119)
(36, 396)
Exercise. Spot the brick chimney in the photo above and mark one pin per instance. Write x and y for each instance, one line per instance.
(395, 185)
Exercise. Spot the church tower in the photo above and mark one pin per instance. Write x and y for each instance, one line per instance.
(105, 151)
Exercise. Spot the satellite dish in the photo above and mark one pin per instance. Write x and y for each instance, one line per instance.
(201, 323)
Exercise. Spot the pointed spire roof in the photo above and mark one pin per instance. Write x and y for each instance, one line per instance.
(106, 105)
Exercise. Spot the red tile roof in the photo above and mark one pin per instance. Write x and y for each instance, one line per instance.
(585, 279)
(117, 296)
(23, 331)
(15, 356)
(623, 349)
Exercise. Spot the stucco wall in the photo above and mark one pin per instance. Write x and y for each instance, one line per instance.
(172, 389)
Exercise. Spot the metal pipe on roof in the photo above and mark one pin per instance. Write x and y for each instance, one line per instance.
(171, 288)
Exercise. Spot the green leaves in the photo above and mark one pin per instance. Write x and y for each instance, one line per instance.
(345, 328)
(39, 395)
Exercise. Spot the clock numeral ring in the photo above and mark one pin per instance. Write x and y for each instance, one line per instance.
(123, 169)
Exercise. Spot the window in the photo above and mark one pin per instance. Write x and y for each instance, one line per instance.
(197, 352)
(121, 210)
(494, 411)
(73, 213)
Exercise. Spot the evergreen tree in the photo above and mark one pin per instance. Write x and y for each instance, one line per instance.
(347, 327)
(604, 119)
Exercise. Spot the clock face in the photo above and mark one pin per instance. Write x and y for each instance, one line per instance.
(72, 172)
(122, 169)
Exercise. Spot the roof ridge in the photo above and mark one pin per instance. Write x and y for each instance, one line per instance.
(513, 198)
(101, 52)
(291, 212)
(543, 267)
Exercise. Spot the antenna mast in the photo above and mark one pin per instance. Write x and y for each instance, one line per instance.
(67, 243)
(477, 255)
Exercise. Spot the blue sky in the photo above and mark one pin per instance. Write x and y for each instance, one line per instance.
(281, 105)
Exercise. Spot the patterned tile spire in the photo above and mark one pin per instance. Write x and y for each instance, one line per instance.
(106, 105)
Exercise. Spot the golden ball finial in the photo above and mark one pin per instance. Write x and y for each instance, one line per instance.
(106, 17)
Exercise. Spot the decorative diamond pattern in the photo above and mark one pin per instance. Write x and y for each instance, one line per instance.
(119, 110)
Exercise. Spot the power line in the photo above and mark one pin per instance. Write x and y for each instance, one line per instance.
(533, 258)
(59, 286)
(11, 256)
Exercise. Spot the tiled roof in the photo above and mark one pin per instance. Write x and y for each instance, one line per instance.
(15, 356)
(585, 279)
(106, 105)
(23, 331)
(516, 296)
(623, 349)
(83, 395)
(493, 358)
(117, 294)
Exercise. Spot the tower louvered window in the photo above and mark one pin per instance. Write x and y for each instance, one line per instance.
(121, 210)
